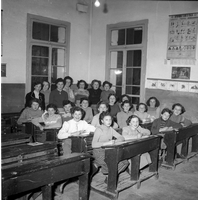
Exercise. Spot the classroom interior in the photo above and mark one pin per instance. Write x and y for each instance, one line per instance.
(89, 52)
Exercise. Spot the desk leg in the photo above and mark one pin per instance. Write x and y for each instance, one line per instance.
(83, 186)
(153, 167)
(169, 140)
(47, 192)
(135, 168)
(112, 169)
(184, 150)
(195, 143)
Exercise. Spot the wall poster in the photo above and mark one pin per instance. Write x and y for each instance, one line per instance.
(182, 36)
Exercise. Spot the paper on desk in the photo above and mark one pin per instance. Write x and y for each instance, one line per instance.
(34, 143)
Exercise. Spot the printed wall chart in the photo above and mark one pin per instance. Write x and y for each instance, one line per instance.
(182, 36)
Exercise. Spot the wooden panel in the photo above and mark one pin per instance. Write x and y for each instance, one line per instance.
(13, 97)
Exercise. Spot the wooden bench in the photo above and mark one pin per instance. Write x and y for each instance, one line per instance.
(25, 177)
(14, 139)
(116, 153)
(173, 138)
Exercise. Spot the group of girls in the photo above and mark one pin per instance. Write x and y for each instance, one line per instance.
(96, 110)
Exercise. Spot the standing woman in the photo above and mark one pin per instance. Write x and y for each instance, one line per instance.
(153, 108)
(36, 94)
(46, 91)
(67, 88)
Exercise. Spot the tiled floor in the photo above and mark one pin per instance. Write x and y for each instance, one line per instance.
(178, 184)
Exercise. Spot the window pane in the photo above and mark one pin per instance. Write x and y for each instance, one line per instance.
(133, 76)
(132, 90)
(40, 31)
(39, 66)
(40, 51)
(57, 34)
(116, 77)
(117, 59)
(135, 100)
(118, 91)
(58, 56)
(118, 37)
(57, 72)
(134, 58)
(134, 35)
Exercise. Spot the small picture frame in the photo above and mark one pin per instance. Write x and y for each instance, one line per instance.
(180, 73)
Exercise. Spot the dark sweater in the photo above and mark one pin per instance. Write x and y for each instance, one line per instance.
(94, 96)
(157, 122)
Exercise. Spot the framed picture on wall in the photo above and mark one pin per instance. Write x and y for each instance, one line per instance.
(180, 73)
(3, 69)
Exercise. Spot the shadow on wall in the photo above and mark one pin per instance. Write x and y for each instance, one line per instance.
(168, 98)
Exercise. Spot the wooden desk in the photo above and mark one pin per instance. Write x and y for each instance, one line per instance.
(116, 153)
(14, 139)
(13, 155)
(172, 138)
(45, 173)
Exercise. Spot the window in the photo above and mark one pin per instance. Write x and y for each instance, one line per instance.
(47, 50)
(126, 58)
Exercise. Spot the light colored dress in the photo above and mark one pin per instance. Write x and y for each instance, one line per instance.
(129, 133)
(122, 117)
(46, 96)
(70, 93)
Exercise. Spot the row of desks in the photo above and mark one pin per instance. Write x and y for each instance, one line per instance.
(17, 162)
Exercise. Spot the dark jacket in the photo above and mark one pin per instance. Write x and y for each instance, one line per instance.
(31, 95)
(156, 125)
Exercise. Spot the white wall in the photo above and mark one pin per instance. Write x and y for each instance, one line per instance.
(88, 34)
(14, 35)
(157, 12)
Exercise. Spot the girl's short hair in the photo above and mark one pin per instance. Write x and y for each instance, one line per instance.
(82, 81)
(84, 99)
(131, 117)
(138, 105)
(34, 100)
(104, 114)
(46, 82)
(66, 102)
(106, 82)
(37, 83)
(114, 96)
(59, 80)
(51, 105)
(104, 103)
(157, 102)
(76, 108)
(166, 110)
(95, 80)
(182, 107)
(125, 95)
(126, 101)
(70, 78)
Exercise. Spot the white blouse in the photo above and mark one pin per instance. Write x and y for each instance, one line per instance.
(72, 126)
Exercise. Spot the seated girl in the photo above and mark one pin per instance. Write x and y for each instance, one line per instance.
(103, 134)
(135, 131)
(128, 98)
(50, 118)
(101, 107)
(107, 91)
(81, 92)
(164, 123)
(94, 94)
(88, 110)
(114, 106)
(66, 115)
(141, 112)
(123, 115)
(177, 116)
(74, 127)
(153, 106)
(31, 112)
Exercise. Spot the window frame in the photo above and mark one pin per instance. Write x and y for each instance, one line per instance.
(125, 48)
(30, 42)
